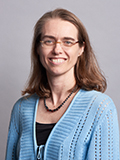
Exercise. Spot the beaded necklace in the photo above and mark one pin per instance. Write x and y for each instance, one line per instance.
(56, 109)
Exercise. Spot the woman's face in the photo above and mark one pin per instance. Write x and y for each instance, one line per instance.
(58, 59)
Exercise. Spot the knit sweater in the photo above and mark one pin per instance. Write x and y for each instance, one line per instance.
(88, 130)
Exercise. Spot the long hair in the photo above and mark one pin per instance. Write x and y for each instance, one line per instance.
(87, 71)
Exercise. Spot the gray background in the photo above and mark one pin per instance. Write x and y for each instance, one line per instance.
(17, 19)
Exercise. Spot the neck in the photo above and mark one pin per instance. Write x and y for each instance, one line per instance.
(56, 109)
(60, 87)
(61, 84)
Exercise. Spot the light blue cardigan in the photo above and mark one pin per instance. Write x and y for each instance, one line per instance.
(87, 131)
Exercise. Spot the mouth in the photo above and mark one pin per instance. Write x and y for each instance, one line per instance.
(57, 60)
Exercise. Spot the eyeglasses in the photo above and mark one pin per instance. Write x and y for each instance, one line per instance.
(50, 43)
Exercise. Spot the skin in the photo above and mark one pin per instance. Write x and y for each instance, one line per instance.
(59, 64)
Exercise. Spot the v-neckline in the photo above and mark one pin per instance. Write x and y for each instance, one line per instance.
(57, 124)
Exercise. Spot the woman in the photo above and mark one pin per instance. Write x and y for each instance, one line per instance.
(65, 115)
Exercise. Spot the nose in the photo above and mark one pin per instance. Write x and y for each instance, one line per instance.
(58, 48)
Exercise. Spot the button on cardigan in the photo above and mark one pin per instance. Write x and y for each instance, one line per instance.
(88, 130)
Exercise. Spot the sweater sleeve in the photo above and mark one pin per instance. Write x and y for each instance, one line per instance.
(13, 133)
(104, 144)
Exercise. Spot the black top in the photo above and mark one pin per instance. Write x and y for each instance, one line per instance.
(42, 132)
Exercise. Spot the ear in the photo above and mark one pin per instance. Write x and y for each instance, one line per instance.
(81, 49)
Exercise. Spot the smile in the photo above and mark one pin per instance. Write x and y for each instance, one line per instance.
(57, 60)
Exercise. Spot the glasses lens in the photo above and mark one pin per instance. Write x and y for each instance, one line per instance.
(49, 43)
(68, 43)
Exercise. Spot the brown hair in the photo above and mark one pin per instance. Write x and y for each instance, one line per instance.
(87, 72)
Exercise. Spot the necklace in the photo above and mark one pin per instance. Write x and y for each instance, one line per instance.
(56, 109)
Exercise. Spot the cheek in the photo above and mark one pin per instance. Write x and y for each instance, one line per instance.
(43, 58)
(41, 54)
(77, 53)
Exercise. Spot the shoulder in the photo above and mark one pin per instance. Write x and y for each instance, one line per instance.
(25, 102)
(99, 99)
(94, 94)
(100, 109)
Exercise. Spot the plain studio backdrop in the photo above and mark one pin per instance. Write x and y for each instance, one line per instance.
(17, 19)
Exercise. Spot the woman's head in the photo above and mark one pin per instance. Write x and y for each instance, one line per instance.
(63, 15)
(87, 72)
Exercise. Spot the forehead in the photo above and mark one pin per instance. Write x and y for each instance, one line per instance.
(59, 28)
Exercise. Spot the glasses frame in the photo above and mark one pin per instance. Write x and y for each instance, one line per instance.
(59, 42)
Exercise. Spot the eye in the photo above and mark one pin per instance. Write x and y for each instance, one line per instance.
(67, 43)
(48, 42)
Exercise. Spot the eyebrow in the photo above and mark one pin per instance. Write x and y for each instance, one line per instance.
(52, 37)
(47, 36)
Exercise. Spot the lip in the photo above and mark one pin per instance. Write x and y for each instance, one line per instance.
(57, 61)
